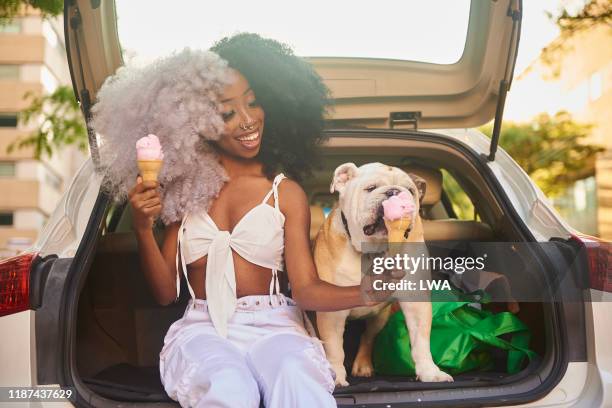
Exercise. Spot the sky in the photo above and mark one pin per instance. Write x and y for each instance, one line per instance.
(402, 29)
(392, 29)
(532, 95)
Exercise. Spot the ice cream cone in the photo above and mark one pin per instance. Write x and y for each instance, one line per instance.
(149, 169)
(397, 228)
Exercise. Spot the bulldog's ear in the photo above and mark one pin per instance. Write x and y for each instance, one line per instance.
(342, 175)
(421, 185)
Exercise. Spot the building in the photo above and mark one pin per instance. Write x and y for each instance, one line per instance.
(583, 87)
(32, 58)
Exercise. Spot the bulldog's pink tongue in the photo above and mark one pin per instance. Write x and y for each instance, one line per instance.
(398, 206)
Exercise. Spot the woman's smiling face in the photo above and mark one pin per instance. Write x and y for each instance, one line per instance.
(243, 117)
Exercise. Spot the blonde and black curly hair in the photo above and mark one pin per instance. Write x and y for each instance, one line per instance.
(176, 98)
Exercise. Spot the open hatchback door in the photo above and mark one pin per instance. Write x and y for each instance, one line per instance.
(368, 92)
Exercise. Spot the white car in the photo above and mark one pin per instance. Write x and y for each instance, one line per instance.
(77, 312)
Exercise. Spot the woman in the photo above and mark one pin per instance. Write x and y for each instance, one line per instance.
(240, 339)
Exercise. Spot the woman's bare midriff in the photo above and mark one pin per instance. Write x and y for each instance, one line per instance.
(251, 279)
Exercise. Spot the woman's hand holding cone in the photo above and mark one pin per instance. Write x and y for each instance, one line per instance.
(146, 205)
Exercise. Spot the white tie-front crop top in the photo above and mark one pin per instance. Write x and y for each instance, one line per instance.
(258, 237)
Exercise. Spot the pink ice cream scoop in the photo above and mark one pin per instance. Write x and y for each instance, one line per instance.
(398, 206)
(149, 148)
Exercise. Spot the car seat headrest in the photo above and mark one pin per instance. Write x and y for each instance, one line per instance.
(433, 178)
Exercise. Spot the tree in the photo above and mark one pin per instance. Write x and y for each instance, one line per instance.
(551, 149)
(594, 13)
(11, 8)
(59, 123)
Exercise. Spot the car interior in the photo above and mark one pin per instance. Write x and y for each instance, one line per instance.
(120, 327)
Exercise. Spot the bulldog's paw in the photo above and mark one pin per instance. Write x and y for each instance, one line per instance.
(362, 367)
(340, 376)
(341, 381)
(432, 373)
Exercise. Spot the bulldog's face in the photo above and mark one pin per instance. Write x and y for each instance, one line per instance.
(362, 191)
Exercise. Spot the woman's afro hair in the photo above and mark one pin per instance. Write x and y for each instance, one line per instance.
(175, 98)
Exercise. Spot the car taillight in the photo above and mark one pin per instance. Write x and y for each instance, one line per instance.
(599, 259)
(15, 283)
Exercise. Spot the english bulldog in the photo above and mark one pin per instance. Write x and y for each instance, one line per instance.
(358, 218)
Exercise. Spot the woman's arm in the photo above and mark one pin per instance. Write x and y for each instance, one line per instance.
(307, 289)
(157, 266)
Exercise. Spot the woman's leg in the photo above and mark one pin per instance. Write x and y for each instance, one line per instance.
(292, 371)
(209, 371)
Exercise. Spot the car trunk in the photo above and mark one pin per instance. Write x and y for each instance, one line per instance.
(119, 328)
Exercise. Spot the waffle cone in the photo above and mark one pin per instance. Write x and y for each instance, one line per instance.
(149, 169)
(397, 228)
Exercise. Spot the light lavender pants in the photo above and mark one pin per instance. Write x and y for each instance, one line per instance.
(268, 353)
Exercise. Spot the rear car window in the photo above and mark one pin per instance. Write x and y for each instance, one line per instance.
(432, 31)
(459, 200)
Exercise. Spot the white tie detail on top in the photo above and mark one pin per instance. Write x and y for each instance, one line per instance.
(258, 237)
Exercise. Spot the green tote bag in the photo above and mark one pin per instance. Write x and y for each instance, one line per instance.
(462, 337)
